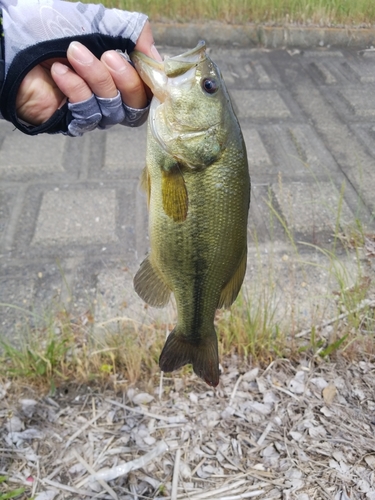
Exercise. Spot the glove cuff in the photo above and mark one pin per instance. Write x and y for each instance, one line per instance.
(2, 53)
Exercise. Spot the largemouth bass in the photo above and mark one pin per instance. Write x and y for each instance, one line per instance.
(198, 187)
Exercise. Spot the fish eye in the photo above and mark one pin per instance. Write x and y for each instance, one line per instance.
(210, 85)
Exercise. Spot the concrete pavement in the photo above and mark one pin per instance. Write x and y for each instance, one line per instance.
(73, 223)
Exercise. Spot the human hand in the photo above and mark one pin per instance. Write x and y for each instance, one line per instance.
(53, 85)
(47, 86)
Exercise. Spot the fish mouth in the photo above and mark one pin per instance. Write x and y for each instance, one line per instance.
(177, 65)
(155, 74)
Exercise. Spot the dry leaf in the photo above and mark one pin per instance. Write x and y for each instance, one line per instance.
(326, 411)
(370, 461)
(47, 495)
(297, 384)
(142, 398)
(4, 389)
(329, 393)
(320, 382)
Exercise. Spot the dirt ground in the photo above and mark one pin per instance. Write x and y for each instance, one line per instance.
(291, 431)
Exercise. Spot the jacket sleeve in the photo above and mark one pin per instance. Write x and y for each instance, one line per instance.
(36, 30)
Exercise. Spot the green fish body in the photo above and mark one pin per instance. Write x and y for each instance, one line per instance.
(198, 187)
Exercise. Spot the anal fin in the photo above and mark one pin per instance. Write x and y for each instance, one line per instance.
(231, 289)
(150, 286)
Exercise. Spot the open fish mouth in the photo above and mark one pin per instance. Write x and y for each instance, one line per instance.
(156, 74)
(177, 65)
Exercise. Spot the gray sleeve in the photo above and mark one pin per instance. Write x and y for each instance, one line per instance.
(27, 22)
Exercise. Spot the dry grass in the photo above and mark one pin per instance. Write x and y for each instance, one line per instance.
(292, 430)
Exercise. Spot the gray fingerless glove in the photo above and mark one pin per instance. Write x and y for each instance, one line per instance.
(102, 113)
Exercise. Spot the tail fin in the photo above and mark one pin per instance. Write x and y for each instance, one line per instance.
(178, 351)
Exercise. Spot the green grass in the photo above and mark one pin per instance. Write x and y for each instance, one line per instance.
(11, 493)
(66, 349)
(321, 12)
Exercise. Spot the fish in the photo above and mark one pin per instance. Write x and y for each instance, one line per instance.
(198, 190)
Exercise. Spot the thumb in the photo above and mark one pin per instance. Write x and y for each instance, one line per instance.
(146, 44)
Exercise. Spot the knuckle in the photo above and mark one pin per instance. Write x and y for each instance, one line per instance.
(77, 90)
(134, 86)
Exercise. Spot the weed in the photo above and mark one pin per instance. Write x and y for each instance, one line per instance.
(250, 328)
(315, 344)
(10, 494)
(331, 348)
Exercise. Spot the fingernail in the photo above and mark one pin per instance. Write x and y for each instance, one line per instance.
(59, 68)
(80, 53)
(155, 53)
(115, 61)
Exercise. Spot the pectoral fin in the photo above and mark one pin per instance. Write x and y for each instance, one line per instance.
(231, 289)
(174, 194)
(145, 184)
(150, 286)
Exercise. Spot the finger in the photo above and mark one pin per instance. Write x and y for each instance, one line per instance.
(48, 63)
(126, 79)
(146, 44)
(93, 71)
(70, 84)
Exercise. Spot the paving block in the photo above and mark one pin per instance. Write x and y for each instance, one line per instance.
(126, 151)
(363, 71)
(352, 157)
(80, 216)
(324, 72)
(296, 290)
(15, 305)
(260, 104)
(298, 152)
(8, 196)
(312, 207)
(116, 302)
(264, 225)
(249, 73)
(26, 156)
(358, 101)
(322, 54)
(256, 152)
(304, 116)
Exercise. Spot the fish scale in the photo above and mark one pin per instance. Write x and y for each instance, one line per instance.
(198, 188)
